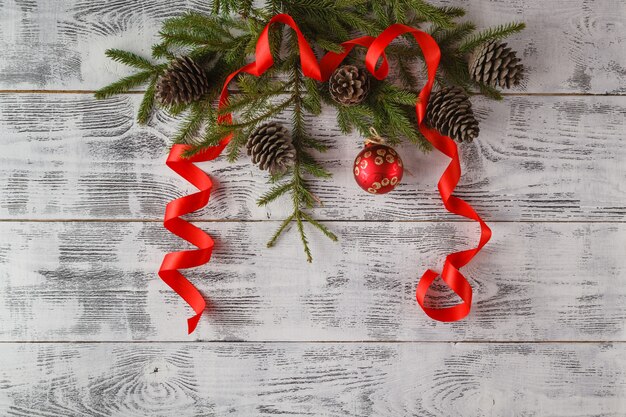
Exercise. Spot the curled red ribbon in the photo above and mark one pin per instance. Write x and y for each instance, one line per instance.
(321, 71)
(172, 262)
(448, 182)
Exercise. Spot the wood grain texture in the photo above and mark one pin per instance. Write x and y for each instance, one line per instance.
(341, 337)
(97, 281)
(326, 379)
(538, 158)
(570, 46)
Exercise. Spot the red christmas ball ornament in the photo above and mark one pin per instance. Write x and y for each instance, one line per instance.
(377, 168)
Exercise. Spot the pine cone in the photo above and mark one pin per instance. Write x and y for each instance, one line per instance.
(349, 85)
(450, 112)
(495, 65)
(182, 83)
(270, 147)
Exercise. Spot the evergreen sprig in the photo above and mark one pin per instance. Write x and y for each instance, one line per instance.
(495, 33)
(223, 40)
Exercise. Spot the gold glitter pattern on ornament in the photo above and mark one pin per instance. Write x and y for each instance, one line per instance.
(377, 170)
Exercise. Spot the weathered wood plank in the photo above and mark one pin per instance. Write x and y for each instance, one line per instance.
(326, 379)
(69, 156)
(97, 281)
(574, 47)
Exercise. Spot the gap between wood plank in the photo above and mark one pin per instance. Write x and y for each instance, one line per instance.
(322, 220)
(521, 94)
(322, 342)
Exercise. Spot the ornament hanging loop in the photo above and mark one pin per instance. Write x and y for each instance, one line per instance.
(374, 137)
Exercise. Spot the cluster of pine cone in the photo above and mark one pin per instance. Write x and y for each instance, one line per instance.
(270, 146)
(449, 110)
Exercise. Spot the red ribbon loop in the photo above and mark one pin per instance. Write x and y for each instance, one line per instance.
(321, 72)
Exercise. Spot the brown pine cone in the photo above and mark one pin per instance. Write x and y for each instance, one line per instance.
(495, 65)
(271, 148)
(450, 112)
(349, 85)
(182, 83)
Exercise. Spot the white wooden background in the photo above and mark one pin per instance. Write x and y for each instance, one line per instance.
(88, 329)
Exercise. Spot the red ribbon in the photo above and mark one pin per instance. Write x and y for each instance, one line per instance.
(448, 182)
(321, 71)
(174, 261)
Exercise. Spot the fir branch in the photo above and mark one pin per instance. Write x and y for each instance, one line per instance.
(271, 112)
(212, 137)
(254, 97)
(312, 101)
(393, 94)
(452, 12)
(176, 109)
(380, 13)
(161, 50)
(239, 139)
(447, 38)
(148, 102)
(405, 73)
(455, 71)
(311, 143)
(360, 117)
(328, 45)
(275, 192)
(209, 26)
(198, 114)
(130, 59)
(495, 33)
(124, 85)
(489, 91)
(308, 164)
(303, 238)
(438, 16)
(280, 231)
(301, 196)
(320, 226)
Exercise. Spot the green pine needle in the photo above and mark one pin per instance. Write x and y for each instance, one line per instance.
(124, 85)
(280, 231)
(274, 193)
(437, 16)
(320, 226)
(192, 124)
(147, 104)
(303, 238)
(490, 91)
(130, 59)
(495, 33)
